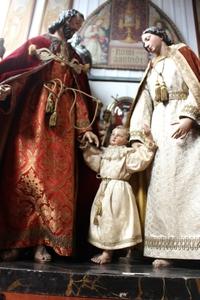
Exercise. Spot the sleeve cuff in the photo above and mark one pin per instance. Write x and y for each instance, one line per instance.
(192, 112)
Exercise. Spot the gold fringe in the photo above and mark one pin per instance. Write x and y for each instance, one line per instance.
(98, 213)
(99, 210)
(50, 105)
(95, 222)
(53, 119)
(164, 92)
(157, 91)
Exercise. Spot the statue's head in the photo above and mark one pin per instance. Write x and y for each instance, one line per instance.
(69, 22)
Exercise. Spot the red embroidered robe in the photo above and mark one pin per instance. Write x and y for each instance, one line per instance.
(38, 165)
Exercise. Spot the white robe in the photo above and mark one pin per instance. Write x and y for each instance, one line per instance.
(114, 220)
(172, 224)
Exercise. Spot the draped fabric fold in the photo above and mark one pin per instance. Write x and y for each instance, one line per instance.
(38, 162)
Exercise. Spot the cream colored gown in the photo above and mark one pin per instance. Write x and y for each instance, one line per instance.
(172, 225)
(114, 220)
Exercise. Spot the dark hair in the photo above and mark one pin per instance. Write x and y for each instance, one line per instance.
(159, 32)
(66, 15)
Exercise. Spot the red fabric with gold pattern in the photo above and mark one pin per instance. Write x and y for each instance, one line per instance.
(38, 172)
(19, 61)
(192, 60)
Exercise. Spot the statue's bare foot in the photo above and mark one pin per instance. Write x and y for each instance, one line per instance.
(104, 258)
(161, 263)
(9, 254)
(129, 253)
(41, 255)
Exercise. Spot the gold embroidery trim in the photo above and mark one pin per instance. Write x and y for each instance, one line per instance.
(192, 111)
(174, 96)
(137, 135)
(173, 243)
(188, 75)
(141, 136)
(178, 96)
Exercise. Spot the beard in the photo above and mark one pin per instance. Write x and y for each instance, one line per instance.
(68, 32)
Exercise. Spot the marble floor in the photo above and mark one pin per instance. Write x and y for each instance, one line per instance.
(121, 279)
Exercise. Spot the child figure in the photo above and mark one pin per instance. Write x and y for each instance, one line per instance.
(114, 219)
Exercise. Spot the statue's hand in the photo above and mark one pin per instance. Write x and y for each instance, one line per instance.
(136, 144)
(91, 138)
(182, 128)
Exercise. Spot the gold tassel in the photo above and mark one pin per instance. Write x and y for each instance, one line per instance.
(99, 210)
(157, 91)
(164, 92)
(50, 105)
(53, 119)
(98, 213)
(95, 222)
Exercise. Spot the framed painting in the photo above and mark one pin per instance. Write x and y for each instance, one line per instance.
(127, 22)
(112, 33)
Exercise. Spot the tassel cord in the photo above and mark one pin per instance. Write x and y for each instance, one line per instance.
(161, 93)
(75, 91)
(57, 83)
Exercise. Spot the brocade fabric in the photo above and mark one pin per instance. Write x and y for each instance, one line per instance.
(172, 214)
(38, 168)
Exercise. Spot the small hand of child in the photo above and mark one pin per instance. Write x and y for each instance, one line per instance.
(147, 131)
(149, 137)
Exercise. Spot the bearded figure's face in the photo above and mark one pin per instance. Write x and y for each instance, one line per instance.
(71, 26)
